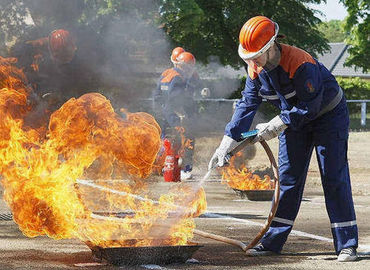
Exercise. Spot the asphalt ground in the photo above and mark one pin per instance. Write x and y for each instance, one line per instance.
(309, 246)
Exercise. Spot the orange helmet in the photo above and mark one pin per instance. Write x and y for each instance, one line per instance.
(186, 62)
(256, 37)
(175, 53)
(186, 58)
(62, 45)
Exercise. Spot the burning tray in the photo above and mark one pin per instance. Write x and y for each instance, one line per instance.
(256, 194)
(145, 255)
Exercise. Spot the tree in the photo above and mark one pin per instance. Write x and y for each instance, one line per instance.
(212, 27)
(128, 32)
(113, 37)
(207, 28)
(333, 30)
(48, 15)
(357, 24)
(12, 22)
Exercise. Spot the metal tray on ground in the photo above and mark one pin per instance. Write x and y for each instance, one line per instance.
(256, 194)
(145, 255)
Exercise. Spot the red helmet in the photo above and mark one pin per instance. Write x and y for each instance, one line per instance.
(175, 53)
(186, 58)
(62, 46)
(256, 37)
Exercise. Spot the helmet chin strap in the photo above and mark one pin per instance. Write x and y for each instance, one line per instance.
(273, 58)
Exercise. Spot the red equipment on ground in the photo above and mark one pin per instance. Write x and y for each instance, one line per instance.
(171, 169)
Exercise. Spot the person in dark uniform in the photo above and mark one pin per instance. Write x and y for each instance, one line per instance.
(313, 114)
(54, 67)
(55, 70)
(175, 104)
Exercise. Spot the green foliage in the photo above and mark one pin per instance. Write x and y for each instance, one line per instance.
(238, 92)
(46, 15)
(204, 27)
(358, 25)
(212, 27)
(355, 88)
(69, 14)
(99, 13)
(12, 14)
(333, 30)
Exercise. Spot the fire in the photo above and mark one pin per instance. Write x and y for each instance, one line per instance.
(86, 139)
(243, 178)
(145, 221)
(186, 143)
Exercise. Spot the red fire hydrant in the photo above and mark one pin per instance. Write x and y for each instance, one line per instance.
(171, 169)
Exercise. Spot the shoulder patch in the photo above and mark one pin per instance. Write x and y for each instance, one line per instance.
(308, 86)
(292, 58)
(164, 87)
(169, 75)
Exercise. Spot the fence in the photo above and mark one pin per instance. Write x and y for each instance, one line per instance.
(357, 112)
(217, 112)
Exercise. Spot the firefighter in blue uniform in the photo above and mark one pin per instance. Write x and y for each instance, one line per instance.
(175, 105)
(313, 115)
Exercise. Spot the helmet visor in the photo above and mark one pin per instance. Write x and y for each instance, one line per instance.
(252, 65)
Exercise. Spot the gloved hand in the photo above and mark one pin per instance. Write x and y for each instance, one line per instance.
(218, 157)
(267, 131)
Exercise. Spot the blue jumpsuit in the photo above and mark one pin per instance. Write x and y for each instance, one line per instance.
(175, 93)
(314, 109)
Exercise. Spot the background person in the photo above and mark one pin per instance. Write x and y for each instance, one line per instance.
(55, 68)
(176, 107)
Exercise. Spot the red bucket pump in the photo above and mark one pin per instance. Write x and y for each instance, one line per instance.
(171, 169)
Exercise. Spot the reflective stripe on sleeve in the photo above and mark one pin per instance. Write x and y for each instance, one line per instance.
(272, 97)
(283, 220)
(344, 224)
(292, 94)
(275, 97)
(164, 87)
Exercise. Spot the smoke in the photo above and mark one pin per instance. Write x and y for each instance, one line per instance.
(222, 80)
(133, 49)
(122, 58)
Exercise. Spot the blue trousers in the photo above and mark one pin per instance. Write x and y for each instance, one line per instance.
(328, 134)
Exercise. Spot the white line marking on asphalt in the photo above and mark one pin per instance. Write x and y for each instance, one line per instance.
(293, 232)
(363, 249)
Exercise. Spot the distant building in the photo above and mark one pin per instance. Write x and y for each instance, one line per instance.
(335, 59)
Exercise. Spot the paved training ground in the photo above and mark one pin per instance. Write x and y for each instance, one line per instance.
(308, 247)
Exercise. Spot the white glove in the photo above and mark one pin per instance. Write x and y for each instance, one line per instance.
(218, 157)
(267, 131)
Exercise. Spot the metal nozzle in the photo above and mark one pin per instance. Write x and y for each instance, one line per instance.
(248, 138)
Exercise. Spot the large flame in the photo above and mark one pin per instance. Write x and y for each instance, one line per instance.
(242, 178)
(86, 139)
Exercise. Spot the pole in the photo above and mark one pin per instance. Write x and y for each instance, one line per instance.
(363, 114)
